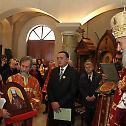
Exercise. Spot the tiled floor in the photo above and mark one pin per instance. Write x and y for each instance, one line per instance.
(41, 120)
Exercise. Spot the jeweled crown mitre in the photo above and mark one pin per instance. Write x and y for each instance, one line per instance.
(118, 24)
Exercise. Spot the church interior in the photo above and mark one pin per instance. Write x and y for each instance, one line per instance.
(19, 18)
(42, 28)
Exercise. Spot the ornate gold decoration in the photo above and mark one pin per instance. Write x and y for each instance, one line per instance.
(107, 87)
(114, 106)
(121, 85)
(118, 24)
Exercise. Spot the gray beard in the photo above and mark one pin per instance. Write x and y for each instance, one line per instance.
(24, 74)
(124, 58)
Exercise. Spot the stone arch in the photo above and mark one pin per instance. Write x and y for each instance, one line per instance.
(44, 20)
(100, 11)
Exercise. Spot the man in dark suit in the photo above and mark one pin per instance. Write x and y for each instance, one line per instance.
(89, 82)
(10, 70)
(62, 89)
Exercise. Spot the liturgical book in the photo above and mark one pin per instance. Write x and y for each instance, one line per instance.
(110, 70)
(64, 114)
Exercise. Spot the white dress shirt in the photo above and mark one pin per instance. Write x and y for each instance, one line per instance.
(64, 68)
(90, 76)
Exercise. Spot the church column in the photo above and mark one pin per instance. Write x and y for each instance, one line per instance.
(69, 39)
(69, 44)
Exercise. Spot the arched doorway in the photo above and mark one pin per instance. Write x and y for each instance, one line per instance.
(41, 42)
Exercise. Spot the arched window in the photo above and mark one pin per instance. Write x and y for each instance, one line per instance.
(41, 32)
(41, 43)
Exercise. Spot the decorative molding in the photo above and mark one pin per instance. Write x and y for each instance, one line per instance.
(68, 28)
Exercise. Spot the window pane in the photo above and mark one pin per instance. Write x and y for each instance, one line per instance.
(46, 30)
(50, 36)
(33, 36)
(39, 31)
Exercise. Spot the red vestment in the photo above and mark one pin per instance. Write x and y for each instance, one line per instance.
(31, 87)
(44, 89)
(115, 116)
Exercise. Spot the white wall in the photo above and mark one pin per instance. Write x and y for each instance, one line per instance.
(99, 25)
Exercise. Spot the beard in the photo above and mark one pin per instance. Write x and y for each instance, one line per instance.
(124, 58)
(25, 74)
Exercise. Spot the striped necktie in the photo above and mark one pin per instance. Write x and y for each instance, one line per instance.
(61, 73)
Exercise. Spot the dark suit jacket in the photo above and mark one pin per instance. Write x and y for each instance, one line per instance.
(63, 90)
(88, 88)
(7, 73)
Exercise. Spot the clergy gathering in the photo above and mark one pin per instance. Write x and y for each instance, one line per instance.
(63, 63)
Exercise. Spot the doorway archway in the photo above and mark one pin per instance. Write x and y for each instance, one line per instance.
(41, 42)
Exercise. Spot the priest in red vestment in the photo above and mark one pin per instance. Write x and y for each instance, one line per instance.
(30, 84)
(117, 116)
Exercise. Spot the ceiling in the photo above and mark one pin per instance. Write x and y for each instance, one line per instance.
(64, 11)
(78, 10)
